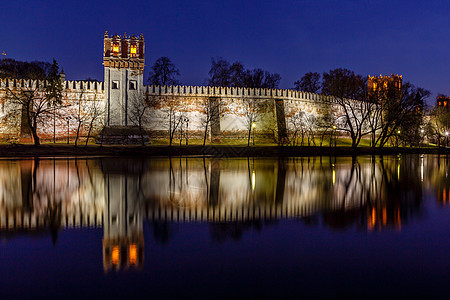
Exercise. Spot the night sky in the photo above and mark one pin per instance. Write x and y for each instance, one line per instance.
(291, 38)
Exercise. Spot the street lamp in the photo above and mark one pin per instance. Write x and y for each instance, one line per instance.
(334, 133)
(253, 126)
(187, 129)
(68, 123)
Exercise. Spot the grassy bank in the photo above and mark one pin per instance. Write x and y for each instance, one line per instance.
(58, 150)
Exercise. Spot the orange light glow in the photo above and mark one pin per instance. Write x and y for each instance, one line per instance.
(133, 254)
(372, 219)
(115, 255)
(133, 50)
(116, 48)
(384, 216)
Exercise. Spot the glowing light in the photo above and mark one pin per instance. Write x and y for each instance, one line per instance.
(116, 48)
(115, 255)
(253, 180)
(398, 131)
(133, 50)
(133, 254)
(398, 172)
(253, 125)
(421, 169)
(334, 176)
(372, 219)
(334, 127)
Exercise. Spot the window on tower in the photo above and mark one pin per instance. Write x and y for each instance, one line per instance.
(115, 84)
(133, 50)
(133, 85)
(116, 49)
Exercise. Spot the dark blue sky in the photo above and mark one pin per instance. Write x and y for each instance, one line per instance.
(291, 38)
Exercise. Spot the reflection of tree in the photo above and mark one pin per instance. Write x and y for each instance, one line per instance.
(220, 232)
(51, 194)
(163, 231)
(389, 194)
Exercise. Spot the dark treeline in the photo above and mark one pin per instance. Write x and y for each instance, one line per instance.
(222, 73)
(11, 68)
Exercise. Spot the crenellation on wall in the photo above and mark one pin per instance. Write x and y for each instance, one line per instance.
(224, 92)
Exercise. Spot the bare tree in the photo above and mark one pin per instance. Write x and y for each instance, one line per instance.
(137, 114)
(251, 115)
(95, 112)
(38, 101)
(351, 96)
(209, 110)
(164, 72)
(401, 109)
(438, 126)
(310, 82)
(79, 117)
(172, 108)
(303, 124)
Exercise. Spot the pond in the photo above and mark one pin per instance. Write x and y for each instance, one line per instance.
(247, 227)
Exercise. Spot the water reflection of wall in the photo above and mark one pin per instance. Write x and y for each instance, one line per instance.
(369, 193)
(33, 190)
(198, 189)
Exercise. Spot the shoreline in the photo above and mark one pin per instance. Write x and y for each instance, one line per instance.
(21, 150)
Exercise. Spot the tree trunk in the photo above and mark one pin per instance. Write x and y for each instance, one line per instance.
(78, 134)
(249, 134)
(89, 133)
(34, 133)
(206, 132)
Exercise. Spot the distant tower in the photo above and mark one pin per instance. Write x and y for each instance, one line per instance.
(123, 59)
(443, 101)
(378, 83)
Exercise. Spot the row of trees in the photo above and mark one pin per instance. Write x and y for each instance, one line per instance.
(43, 102)
(381, 114)
(10, 68)
(222, 73)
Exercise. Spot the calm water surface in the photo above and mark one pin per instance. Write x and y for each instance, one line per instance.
(189, 227)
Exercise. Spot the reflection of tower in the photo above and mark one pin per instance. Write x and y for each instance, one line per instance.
(123, 239)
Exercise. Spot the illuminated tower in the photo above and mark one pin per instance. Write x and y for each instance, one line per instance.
(383, 82)
(443, 101)
(123, 60)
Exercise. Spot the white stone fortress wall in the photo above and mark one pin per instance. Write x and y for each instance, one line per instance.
(123, 94)
(79, 98)
(233, 102)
